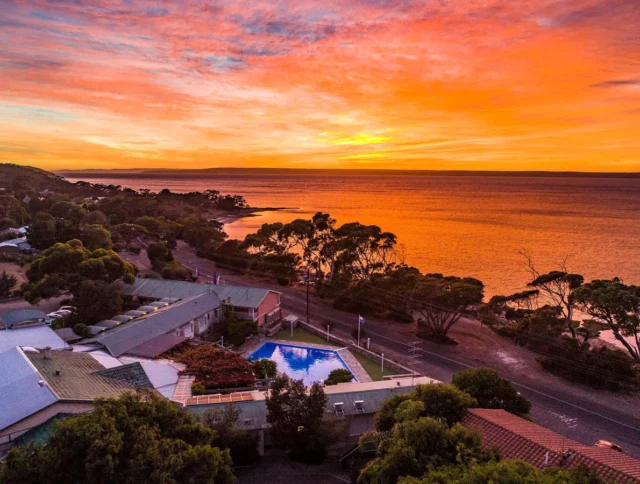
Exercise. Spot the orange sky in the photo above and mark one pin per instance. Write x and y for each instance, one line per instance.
(407, 84)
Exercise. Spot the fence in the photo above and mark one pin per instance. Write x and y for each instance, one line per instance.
(354, 348)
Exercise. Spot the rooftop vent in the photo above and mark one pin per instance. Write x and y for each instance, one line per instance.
(47, 353)
(41, 383)
(58, 371)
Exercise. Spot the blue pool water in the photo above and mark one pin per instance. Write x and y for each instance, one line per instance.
(301, 362)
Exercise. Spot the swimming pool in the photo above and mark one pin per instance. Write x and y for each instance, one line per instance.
(301, 362)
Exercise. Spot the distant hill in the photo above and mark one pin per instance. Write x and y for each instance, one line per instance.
(159, 172)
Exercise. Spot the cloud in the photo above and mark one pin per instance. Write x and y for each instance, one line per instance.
(618, 83)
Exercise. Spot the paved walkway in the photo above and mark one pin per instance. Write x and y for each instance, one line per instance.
(183, 388)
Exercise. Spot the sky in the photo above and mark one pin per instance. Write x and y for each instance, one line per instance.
(401, 84)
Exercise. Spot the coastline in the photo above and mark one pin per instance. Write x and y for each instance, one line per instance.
(227, 217)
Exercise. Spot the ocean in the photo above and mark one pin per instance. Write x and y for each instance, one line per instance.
(464, 225)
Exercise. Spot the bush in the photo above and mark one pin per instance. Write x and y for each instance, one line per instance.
(283, 281)
(197, 388)
(265, 368)
(598, 367)
(339, 375)
(81, 329)
(135, 250)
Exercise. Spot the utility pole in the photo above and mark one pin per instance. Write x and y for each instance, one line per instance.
(308, 308)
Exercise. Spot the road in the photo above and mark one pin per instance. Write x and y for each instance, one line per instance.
(558, 409)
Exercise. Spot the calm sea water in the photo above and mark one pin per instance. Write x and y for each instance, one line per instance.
(460, 225)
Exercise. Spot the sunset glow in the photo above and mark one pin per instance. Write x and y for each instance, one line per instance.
(407, 84)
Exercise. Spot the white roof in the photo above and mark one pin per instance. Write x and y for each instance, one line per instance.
(21, 394)
(34, 336)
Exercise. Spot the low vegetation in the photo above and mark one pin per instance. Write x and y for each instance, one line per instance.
(339, 375)
(214, 368)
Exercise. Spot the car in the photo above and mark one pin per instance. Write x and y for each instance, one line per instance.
(67, 308)
(608, 445)
(63, 312)
(48, 320)
(54, 316)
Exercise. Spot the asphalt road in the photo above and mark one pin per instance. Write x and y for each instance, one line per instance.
(553, 408)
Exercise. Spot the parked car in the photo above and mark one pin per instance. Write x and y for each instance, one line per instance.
(67, 308)
(48, 320)
(63, 312)
(54, 316)
(608, 445)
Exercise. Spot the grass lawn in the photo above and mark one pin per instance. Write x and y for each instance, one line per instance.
(301, 336)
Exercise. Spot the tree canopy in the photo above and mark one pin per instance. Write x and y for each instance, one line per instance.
(64, 266)
(617, 305)
(298, 419)
(133, 438)
(491, 390)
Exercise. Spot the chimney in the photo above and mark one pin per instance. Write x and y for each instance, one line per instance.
(47, 353)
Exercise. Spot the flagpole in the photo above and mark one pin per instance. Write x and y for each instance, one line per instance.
(359, 329)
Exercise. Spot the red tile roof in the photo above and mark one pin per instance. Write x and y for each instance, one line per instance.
(517, 438)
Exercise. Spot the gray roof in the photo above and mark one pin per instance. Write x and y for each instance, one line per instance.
(238, 296)
(128, 336)
(21, 315)
(157, 346)
(108, 323)
(32, 336)
(132, 373)
(21, 394)
(68, 334)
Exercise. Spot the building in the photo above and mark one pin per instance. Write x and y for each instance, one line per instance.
(22, 317)
(37, 386)
(517, 438)
(358, 401)
(38, 337)
(156, 331)
(259, 305)
(15, 246)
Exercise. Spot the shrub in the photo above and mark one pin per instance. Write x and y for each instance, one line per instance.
(197, 388)
(265, 368)
(339, 375)
(598, 367)
(81, 329)
(135, 250)
(283, 281)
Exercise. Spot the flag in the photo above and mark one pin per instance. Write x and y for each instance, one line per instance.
(360, 320)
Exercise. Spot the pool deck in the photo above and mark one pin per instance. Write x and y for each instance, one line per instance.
(354, 366)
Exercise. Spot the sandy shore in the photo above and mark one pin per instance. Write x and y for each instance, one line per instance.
(225, 217)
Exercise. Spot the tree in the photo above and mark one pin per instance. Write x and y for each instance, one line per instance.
(159, 254)
(128, 232)
(558, 286)
(97, 300)
(133, 438)
(439, 401)
(442, 301)
(242, 444)
(490, 390)
(505, 472)
(63, 267)
(7, 283)
(11, 209)
(298, 419)
(339, 375)
(96, 217)
(265, 368)
(417, 446)
(365, 249)
(617, 305)
(72, 213)
(96, 237)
